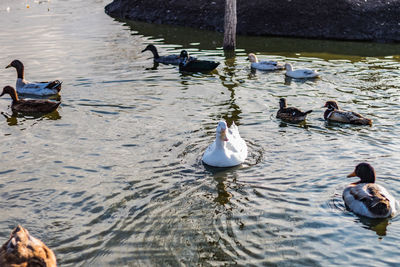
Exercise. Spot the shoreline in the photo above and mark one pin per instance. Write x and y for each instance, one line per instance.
(355, 20)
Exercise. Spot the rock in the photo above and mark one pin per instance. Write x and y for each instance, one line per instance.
(367, 20)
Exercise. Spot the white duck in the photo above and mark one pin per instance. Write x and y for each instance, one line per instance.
(301, 73)
(228, 149)
(264, 65)
(33, 88)
(366, 198)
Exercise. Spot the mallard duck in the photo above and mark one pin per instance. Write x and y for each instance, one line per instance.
(264, 65)
(300, 73)
(290, 114)
(228, 149)
(195, 65)
(29, 105)
(33, 88)
(22, 250)
(170, 59)
(367, 198)
(333, 113)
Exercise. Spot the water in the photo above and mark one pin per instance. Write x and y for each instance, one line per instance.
(115, 178)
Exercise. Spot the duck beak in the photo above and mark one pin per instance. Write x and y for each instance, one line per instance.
(144, 50)
(223, 136)
(8, 66)
(353, 174)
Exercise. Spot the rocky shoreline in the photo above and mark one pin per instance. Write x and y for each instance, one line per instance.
(364, 20)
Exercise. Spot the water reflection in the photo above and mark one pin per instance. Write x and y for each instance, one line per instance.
(379, 226)
(17, 118)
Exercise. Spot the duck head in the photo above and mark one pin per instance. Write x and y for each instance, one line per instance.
(288, 67)
(365, 172)
(221, 131)
(149, 47)
(22, 249)
(331, 105)
(184, 56)
(153, 49)
(11, 91)
(282, 103)
(18, 66)
(252, 58)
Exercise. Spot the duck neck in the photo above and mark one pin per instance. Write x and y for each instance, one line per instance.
(155, 53)
(220, 143)
(328, 112)
(14, 96)
(20, 72)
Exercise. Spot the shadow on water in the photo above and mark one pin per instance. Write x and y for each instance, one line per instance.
(379, 226)
(202, 39)
(17, 118)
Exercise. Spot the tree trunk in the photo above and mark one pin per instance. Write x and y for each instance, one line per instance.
(230, 22)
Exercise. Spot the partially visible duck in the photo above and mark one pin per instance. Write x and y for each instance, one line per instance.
(264, 65)
(365, 197)
(228, 149)
(23, 250)
(290, 114)
(29, 105)
(33, 88)
(300, 73)
(195, 65)
(333, 113)
(170, 59)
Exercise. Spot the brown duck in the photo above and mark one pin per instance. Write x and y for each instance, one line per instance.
(29, 105)
(290, 114)
(22, 250)
(333, 113)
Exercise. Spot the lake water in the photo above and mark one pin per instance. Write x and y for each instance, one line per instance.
(115, 178)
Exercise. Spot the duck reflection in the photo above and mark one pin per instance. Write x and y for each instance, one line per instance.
(379, 226)
(17, 118)
(221, 176)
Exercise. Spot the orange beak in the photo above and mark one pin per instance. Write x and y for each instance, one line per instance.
(353, 174)
(223, 136)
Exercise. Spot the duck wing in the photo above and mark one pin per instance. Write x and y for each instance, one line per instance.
(198, 65)
(35, 105)
(368, 200)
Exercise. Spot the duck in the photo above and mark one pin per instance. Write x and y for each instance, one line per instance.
(290, 114)
(22, 250)
(170, 59)
(300, 73)
(29, 105)
(196, 65)
(33, 88)
(264, 65)
(228, 149)
(365, 197)
(333, 113)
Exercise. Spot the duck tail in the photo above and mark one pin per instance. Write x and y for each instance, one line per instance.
(308, 112)
(55, 85)
(364, 121)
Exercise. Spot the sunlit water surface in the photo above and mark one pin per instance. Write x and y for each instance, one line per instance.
(115, 178)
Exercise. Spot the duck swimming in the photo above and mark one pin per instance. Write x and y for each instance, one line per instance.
(333, 113)
(23, 250)
(170, 59)
(228, 149)
(195, 65)
(290, 114)
(33, 88)
(300, 73)
(365, 197)
(29, 105)
(264, 65)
